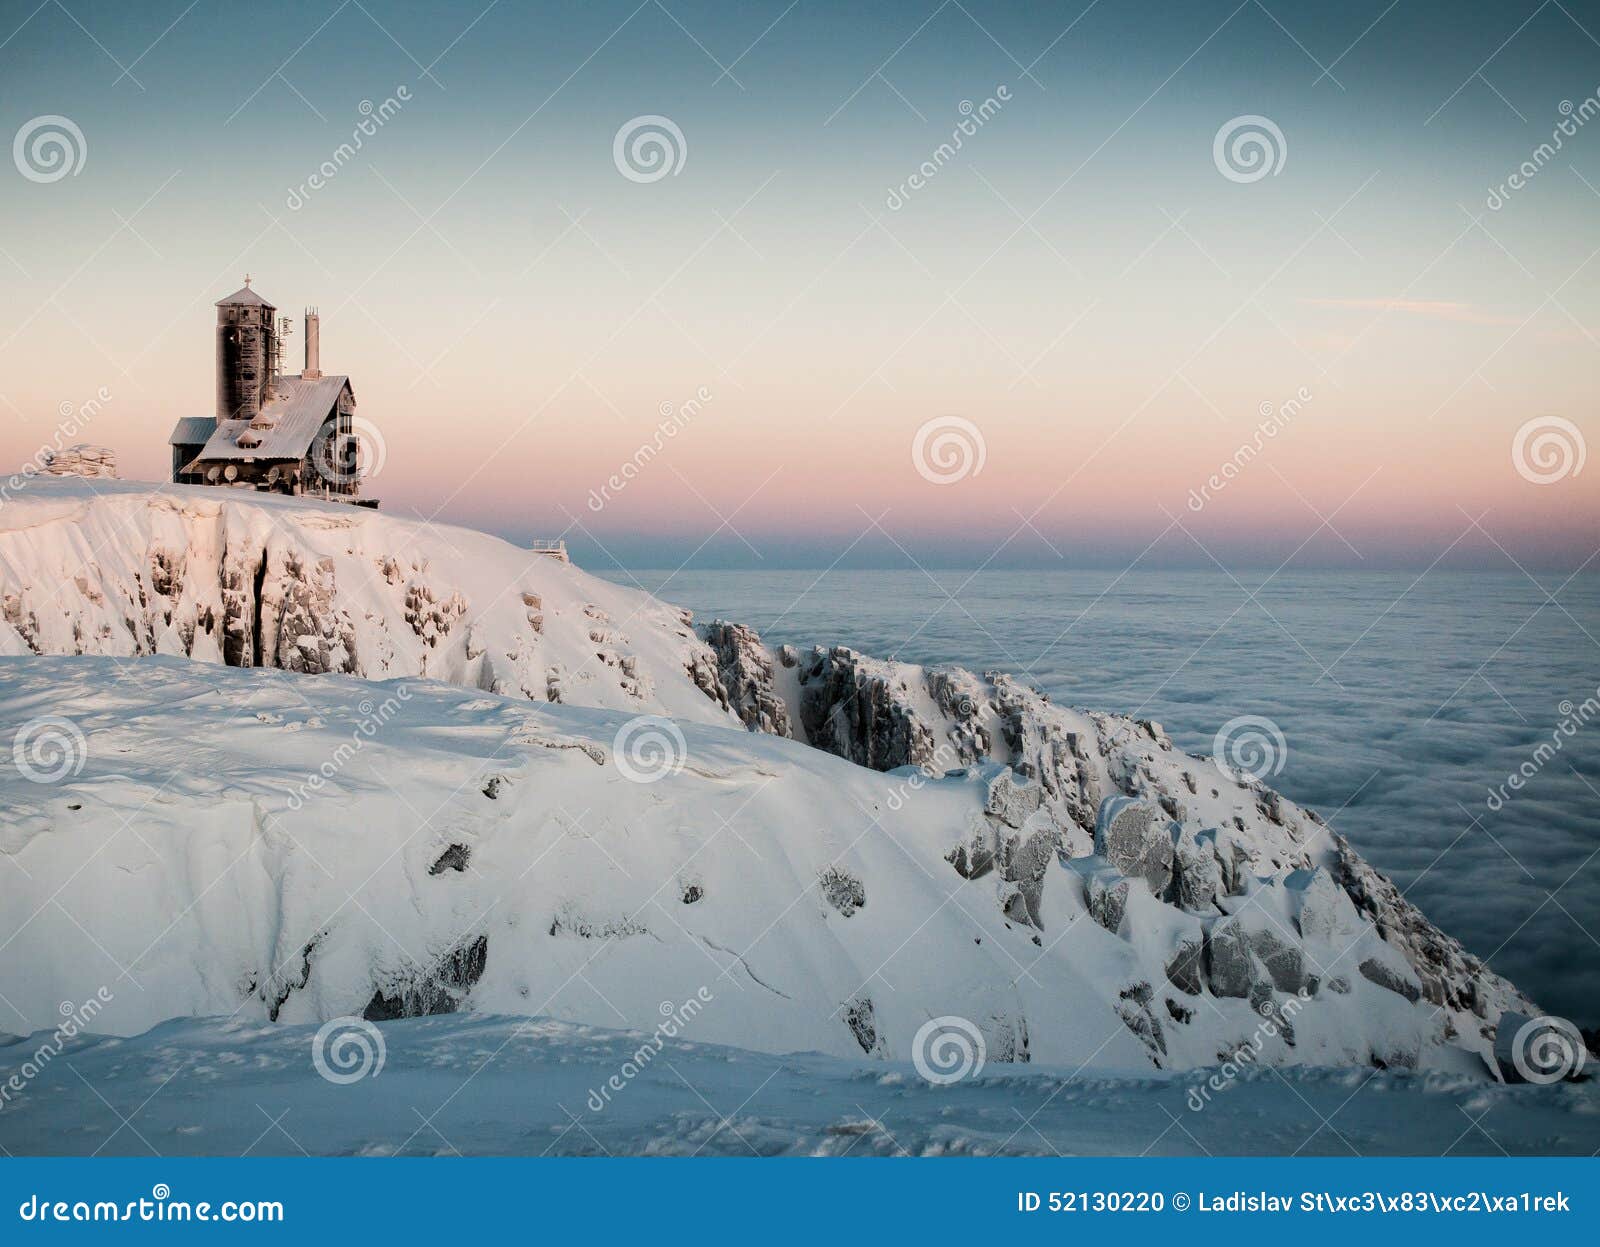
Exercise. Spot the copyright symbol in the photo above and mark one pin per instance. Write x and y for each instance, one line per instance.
(1180, 1201)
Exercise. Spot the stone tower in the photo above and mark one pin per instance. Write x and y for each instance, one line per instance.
(247, 353)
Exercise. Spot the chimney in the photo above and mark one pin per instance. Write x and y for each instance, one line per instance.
(313, 371)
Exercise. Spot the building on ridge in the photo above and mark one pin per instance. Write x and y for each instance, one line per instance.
(275, 432)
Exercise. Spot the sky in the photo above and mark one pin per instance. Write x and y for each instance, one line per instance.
(872, 346)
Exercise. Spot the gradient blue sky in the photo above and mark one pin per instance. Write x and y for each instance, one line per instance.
(1080, 282)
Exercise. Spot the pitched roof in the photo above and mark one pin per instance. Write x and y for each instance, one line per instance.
(247, 297)
(286, 426)
(192, 430)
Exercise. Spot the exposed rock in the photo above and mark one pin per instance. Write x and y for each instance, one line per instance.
(440, 990)
(1322, 909)
(1230, 963)
(1284, 962)
(453, 858)
(843, 891)
(1044, 749)
(862, 1021)
(744, 675)
(569, 921)
(429, 618)
(81, 460)
(1134, 1010)
(851, 708)
(959, 696)
(1106, 893)
(1386, 976)
(1025, 862)
(1011, 798)
(1005, 1039)
(302, 628)
(1196, 873)
(974, 858)
(1448, 974)
(1185, 967)
(1133, 836)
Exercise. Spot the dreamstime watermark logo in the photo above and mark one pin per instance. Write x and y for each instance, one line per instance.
(351, 455)
(373, 118)
(373, 717)
(75, 1021)
(1548, 1049)
(49, 148)
(1248, 148)
(1573, 717)
(1250, 747)
(674, 419)
(1548, 449)
(648, 148)
(648, 748)
(348, 1049)
(973, 118)
(1275, 417)
(1572, 119)
(159, 1207)
(947, 1049)
(673, 1020)
(50, 749)
(74, 416)
(948, 449)
(1274, 1018)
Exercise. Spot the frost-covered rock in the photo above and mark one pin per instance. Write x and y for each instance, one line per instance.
(1196, 871)
(1134, 837)
(1231, 967)
(1322, 909)
(94, 462)
(1011, 798)
(856, 708)
(1106, 892)
(744, 678)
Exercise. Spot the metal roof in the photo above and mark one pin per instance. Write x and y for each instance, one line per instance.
(192, 430)
(286, 426)
(246, 296)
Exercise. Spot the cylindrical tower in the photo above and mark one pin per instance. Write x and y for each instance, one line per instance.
(246, 349)
(313, 369)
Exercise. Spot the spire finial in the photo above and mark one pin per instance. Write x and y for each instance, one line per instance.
(247, 280)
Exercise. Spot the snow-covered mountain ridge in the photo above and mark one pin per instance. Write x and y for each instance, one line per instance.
(1071, 882)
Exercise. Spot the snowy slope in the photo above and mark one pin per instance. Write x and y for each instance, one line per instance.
(120, 568)
(1172, 902)
(483, 1085)
(251, 843)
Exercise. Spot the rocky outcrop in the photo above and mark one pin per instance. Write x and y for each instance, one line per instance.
(251, 580)
(1135, 838)
(741, 678)
(855, 708)
(1191, 835)
(81, 460)
(1450, 977)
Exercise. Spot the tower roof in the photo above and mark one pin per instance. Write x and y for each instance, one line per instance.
(246, 297)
